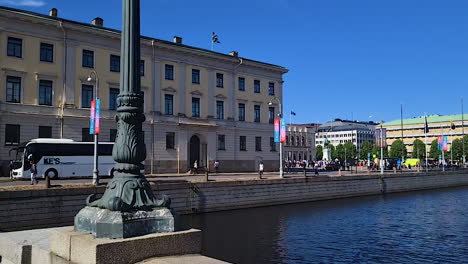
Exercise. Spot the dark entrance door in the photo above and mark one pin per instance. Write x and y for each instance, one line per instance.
(194, 151)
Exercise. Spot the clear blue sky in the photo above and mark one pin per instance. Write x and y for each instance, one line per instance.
(347, 58)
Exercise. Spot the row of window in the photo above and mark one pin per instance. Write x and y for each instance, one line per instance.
(13, 95)
(12, 134)
(170, 142)
(13, 91)
(15, 49)
(12, 137)
(295, 141)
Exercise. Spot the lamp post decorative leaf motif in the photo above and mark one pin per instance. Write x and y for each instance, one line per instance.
(129, 190)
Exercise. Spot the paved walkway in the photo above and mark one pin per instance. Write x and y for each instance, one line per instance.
(176, 178)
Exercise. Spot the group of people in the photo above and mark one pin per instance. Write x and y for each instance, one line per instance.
(195, 167)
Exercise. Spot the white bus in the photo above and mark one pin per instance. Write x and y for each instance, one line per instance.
(62, 158)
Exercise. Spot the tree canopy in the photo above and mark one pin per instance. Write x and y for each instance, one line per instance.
(319, 152)
(398, 149)
(365, 148)
(419, 149)
(434, 152)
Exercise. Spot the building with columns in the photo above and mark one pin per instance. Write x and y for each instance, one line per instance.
(199, 105)
(300, 142)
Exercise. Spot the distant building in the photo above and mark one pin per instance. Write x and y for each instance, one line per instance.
(413, 128)
(342, 131)
(300, 142)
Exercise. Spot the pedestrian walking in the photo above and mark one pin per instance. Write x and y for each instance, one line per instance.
(10, 168)
(195, 167)
(216, 166)
(260, 170)
(33, 172)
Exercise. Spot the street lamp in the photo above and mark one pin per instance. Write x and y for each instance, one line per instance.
(95, 169)
(280, 115)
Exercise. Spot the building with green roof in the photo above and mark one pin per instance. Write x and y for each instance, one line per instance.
(411, 129)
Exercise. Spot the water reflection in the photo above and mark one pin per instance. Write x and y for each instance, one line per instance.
(418, 227)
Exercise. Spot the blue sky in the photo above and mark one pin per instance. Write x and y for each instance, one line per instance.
(347, 59)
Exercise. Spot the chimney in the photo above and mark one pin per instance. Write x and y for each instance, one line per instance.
(234, 53)
(98, 22)
(177, 40)
(53, 12)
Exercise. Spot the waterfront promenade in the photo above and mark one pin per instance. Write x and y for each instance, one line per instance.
(5, 183)
(25, 207)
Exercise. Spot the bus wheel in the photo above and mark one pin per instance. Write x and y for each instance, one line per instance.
(52, 173)
(111, 174)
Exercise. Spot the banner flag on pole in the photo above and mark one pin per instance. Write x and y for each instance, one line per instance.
(445, 143)
(92, 117)
(97, 117)
(282, 131)
(440, 143)
(277, 130)
(426, 126)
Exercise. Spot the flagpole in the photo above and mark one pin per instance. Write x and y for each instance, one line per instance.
(451, 149)
(402, 140)
(426, 128)
(443, 157)
(290, 118)
(463, 134)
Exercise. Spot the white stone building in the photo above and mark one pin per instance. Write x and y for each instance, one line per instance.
(342, 131)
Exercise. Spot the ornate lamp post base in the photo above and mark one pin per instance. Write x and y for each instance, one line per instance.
(103, 223)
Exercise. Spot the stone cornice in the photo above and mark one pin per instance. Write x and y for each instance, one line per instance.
(196, 92)
(169, 89)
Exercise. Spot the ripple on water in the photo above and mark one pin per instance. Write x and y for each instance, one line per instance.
(419, 227)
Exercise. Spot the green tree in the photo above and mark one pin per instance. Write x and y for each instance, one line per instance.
(365, 148)
(350, 151)
(457, 149)
(419, 149)
(339, 152)
(398, 149)
(332, 151)
(319, 152)
(376, 151)
(465, 145)
(434, 152)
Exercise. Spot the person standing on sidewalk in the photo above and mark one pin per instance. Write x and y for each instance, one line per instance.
(33, 172)
(195, 167)
(260, 170)
(10, 169)
(216, 166)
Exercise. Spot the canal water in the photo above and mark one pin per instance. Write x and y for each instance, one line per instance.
(416, 227)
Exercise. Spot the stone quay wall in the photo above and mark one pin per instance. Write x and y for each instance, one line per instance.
(29, 209)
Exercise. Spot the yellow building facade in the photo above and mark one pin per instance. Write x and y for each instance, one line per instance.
(199, 105)
(414, 129)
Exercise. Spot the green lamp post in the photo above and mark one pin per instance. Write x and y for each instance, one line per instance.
(128, 206)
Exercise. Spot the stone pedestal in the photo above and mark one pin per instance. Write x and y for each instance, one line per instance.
(326, 154)
(82, 248)
(103, 223)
